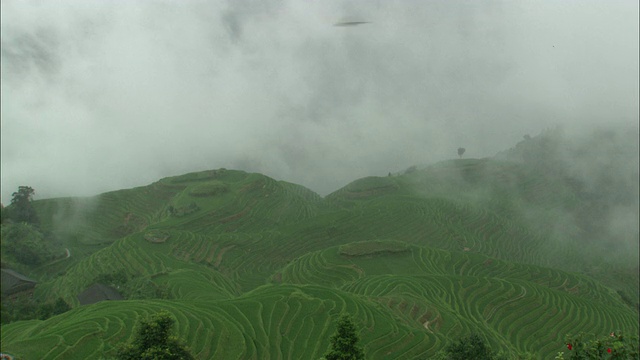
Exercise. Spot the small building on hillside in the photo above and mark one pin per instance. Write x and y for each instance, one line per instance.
(15, 284)
(98, 292)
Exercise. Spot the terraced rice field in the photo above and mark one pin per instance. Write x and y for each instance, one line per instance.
(271, 322)
(524, 298)
(260, 269)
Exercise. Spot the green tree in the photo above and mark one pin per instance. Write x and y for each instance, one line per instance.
(468, 347)
(153, 341)
(60, 306)
(26, 308)
(21, 209)
(25, 243)
(344, 343)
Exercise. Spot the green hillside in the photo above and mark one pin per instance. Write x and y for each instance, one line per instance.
(257, 268)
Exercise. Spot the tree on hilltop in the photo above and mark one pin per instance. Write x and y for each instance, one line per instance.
(344, 343)
(154, 342)
(461, 151)
(20, 208)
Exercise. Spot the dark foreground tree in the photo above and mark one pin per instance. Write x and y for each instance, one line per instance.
(344, 343)
(21, 209)
(470, 347)
(153, 341)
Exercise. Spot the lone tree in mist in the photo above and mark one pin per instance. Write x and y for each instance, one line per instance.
(153, 341)
(461, 151)
(20, 209)
(344, 343)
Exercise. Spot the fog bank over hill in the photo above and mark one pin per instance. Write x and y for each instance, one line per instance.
(98, 96)
(600, 170)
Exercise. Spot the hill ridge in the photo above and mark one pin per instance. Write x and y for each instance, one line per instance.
(256, 267)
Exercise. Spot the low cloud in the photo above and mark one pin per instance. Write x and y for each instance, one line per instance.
(99, 96)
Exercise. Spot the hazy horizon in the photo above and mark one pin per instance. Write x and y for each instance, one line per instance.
(98, 96)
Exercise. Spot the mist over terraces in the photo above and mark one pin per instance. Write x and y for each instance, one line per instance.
(255, 267)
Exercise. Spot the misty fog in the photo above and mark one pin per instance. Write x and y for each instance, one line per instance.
(99, 96)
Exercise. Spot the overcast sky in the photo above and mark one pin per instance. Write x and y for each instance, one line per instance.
(104, 95)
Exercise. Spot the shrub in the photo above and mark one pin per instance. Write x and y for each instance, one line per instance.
(616, 345)
(26, 244)
(344, 343)
(153, 341)
(470, 347)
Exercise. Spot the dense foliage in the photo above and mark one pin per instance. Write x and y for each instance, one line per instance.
(26, 244)
(469, 347)
(25, 308)
(21, 209)
(22, 237)
(154, 342)
(344, 343)
(613, 346)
